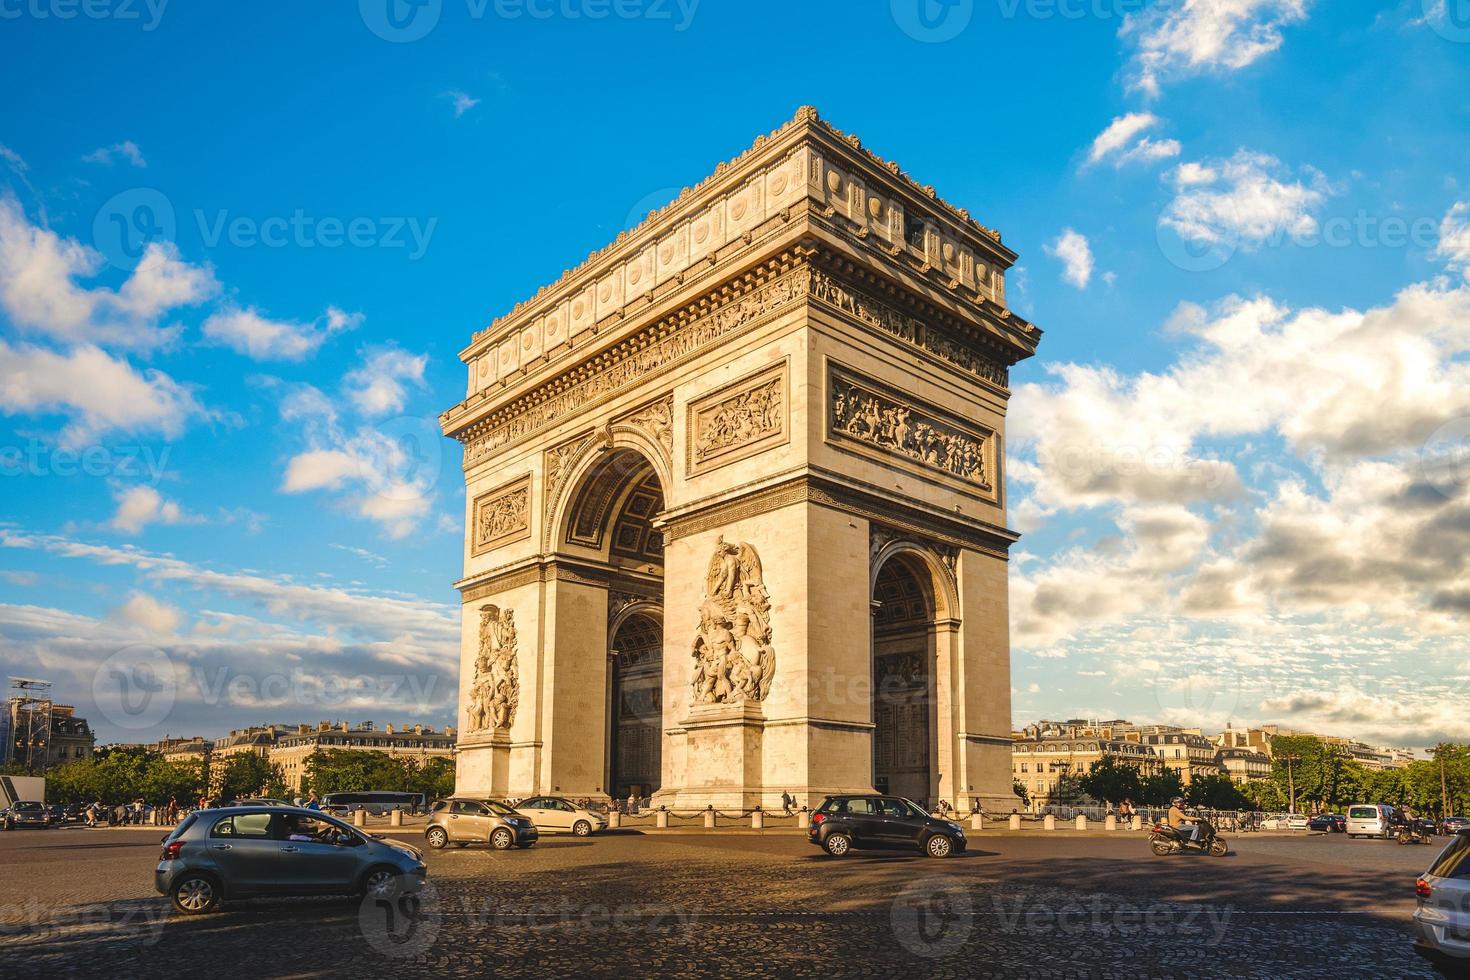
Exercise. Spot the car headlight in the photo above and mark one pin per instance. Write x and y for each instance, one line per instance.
(957, 829)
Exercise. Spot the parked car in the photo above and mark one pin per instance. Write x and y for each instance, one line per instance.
(1453, 825)
(1333, 823)
(261, 801)
(550, 813)
(1370, 820)
(1442, 915)
(57, 813)
(461, 821)
(1297, 821)
(841, 823)
(234, 852)
(27, 813)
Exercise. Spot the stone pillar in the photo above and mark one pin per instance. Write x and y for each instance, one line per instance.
(661, 820)
(395, 819)
(802, 817)
(758, 820)
(977, 821)
(1110, 822)
(1137, 822)
(709, 819)
(1081, 821)
(1049, 822)
(1015, 821)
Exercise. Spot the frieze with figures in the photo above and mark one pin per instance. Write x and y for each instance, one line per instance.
(741, 419)
(502, 515)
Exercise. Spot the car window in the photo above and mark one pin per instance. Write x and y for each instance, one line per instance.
(536, 804)
(561, 805)
(1363, 813)
(468, 807)
(1454, 860)
(857, 808)
(256, 825)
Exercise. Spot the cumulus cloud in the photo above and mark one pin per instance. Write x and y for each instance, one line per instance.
(260, 338)
(379, 385)
(1073, 251)
(1122, 141)
(149, 614)
(461, 101)
(1245, 200)
(1454, 239)
(138, 507)
(39, 291)
(1190, 37)
(98, 393)
(127, 150)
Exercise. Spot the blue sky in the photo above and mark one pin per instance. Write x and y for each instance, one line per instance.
(240, 248)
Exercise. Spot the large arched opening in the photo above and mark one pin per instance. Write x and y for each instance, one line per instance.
(609, 525)
(905, 720)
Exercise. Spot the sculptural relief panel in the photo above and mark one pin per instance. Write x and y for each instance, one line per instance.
(495, 689)
(734, 661)
(501, 515)
(746, 417)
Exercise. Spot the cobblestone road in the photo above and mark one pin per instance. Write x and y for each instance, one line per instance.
(78, 901)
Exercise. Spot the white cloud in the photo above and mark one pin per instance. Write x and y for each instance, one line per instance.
(99, 393)
(259, 338)
(1072, 250)
(1189, 37)
(1248, 200)
(137, 507)
(1454, 239)
(378, 386)
(461, 101)
(149, 614)
(39, 292)
(127, 149)
(1123, 143)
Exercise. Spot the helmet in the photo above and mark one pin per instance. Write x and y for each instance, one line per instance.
(1177, 801)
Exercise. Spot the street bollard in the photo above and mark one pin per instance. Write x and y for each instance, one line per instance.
(801, 818)
(977, 821)
(614, 820)
(662, 821)
(1015, 823)
(395, 819)
(1137, 822)
(1049, 822)
(359, 818)
(1081, 821)
(1110, 822)
(758, 820)
(709, 819)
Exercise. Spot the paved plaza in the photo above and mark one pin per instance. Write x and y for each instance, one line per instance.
(705, 904)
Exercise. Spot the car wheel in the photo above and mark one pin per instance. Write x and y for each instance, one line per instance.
(837, 845)
(581, 828)
(939, 846)
(195, 894)
(436, 837)
(502, 839)
(380, 882)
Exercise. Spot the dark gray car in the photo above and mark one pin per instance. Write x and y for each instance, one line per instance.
(234, 852)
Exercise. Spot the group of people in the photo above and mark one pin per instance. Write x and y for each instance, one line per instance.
(120, 814)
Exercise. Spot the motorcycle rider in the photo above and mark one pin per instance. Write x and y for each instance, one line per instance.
(1186, 826)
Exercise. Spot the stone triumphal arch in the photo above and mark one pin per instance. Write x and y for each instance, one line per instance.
(736, 500)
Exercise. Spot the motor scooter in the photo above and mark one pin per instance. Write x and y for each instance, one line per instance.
(1166, 840)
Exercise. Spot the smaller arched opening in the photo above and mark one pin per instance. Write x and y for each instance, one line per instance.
(905, 724)
(635, 685)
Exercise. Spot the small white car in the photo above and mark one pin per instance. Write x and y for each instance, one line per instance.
(1296, 821)
(1442, 918)
(1370, 820)
(556, 815)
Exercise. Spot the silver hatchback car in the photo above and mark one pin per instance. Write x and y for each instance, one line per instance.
(1442, 918)
(461, 820)
(235, 852)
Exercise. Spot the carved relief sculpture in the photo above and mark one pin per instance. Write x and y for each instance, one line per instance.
(733, 658)
(657, 420)
(496, 689)
(502, 515)
(876, 419)
(738, 421)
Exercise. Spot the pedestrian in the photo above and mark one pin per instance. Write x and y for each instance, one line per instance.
(786, 802)
(313, 803)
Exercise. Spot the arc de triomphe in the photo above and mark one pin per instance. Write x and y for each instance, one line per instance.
(736, 500)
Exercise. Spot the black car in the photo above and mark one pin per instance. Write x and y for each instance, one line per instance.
(841, 823)
(27, 813)
(1332, 822)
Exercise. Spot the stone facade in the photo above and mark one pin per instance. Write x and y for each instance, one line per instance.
(737, 424)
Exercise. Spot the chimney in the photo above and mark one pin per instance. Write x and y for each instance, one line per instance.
(344, 726)
(418, 729)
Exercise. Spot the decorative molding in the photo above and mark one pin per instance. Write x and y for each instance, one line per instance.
(734, 662)
(880, 420)
(556, 460)
(741, 419)
(495, 690)
(501, 515)
(657, 421)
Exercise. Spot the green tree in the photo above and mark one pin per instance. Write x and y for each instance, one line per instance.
(248, 774)
(1112, 781)
(1068, 790)
(1019, 788)
(1215, 793)
(1158, 788)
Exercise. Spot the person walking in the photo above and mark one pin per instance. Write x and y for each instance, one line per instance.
(786, 802)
